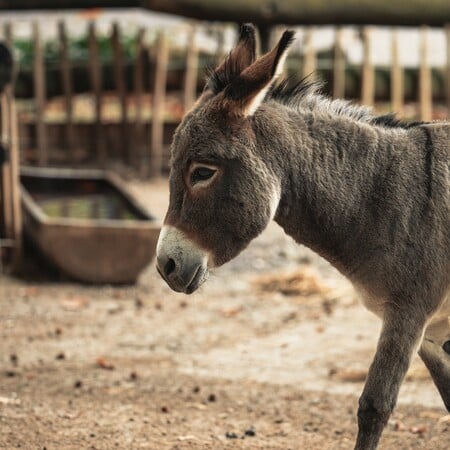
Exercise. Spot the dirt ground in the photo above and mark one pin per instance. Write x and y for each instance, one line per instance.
(270, 354)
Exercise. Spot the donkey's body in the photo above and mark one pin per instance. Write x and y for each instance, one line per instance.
(370, 195)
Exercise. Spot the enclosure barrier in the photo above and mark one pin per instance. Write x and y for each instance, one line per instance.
(155, 72)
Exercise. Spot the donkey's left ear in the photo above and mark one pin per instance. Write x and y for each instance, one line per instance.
(244, 94)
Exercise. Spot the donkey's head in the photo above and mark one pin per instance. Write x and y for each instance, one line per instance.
(222, 193)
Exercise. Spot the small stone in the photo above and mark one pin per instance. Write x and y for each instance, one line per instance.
(250, 432)
(212, 398)
(231, 435)
(78, 384)
(60, 356)
(164, 409)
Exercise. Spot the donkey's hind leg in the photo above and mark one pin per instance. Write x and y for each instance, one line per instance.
(435, 353)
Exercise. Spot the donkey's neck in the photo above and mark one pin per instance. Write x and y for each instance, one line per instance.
(331, 172)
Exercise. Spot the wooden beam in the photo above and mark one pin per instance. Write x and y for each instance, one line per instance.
(338, 66)
(309, 65)
(310, 12)
(137, 155)
(190, 75)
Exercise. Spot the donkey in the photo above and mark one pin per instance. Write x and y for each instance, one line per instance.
(370, 194)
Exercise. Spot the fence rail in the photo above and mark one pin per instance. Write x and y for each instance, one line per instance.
(131, 117)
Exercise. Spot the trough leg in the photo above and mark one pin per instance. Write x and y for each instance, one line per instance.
(437, 359)
(400, 336)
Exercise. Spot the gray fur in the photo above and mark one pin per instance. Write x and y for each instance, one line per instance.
(369, 195)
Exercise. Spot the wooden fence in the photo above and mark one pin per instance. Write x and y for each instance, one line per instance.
(138, 138)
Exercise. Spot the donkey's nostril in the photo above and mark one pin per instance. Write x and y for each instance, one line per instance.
(446, 347)
(169, 267)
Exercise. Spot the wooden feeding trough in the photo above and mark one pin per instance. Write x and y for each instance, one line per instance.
(87, 224)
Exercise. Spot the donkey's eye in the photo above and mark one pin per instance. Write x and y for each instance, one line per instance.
(201, 174)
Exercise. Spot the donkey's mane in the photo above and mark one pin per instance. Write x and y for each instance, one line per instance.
(306, 95)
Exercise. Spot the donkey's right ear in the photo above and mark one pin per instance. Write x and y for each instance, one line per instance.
(241, 57)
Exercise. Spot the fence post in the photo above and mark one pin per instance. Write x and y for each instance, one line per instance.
(66, 81)
(95, 74)
(158, 106)
(397, 86)
(338, 66)
(425, 93)
(447, 75)
(121, 88)
(138, 93)
(368, 75)
(190, 75)
(309, 54)
(40, 96)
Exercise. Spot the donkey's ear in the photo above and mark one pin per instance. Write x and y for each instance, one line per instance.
(244, 95)
(242, 56)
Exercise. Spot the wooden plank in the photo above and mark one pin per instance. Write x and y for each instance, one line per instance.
(191, 71)
(338, 66)
(368, 73)
(397, 77)
(158, 106)
(66, 82)
(425, 93)
(15, 187)
(6, 168)
(40, 96)
(95, 73)
(119, 80)
(137, 155)
(447, 75)
(309, 65)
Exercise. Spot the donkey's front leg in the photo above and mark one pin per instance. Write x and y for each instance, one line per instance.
(400, 336)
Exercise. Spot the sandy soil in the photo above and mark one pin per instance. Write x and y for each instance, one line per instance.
(270, 354)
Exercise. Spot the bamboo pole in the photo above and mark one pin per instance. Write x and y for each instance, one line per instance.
(40, 96)
(309, 54)
(96, 86)
(397, 77)
(425, 93)
(66, 81)
(368, 73)
(159, 93)
(338, 66)
(190, 75)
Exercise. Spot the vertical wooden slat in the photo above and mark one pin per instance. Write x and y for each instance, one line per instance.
(66, 81)
(397, 77)
(309, 54)
(121, 88)
(96, 85)
(221, 51)
(368, 74)
(338, 66)
(138, 94)
(447, 75)
(40, 96)
(425, 93)
(15, 192)
(190, 75)
(8, 221)
(159, 93)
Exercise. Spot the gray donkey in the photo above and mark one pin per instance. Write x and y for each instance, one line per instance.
(370, 194)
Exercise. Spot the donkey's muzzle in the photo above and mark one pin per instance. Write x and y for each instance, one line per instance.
(180, 262)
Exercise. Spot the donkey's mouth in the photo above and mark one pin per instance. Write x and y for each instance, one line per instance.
(200, 276)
